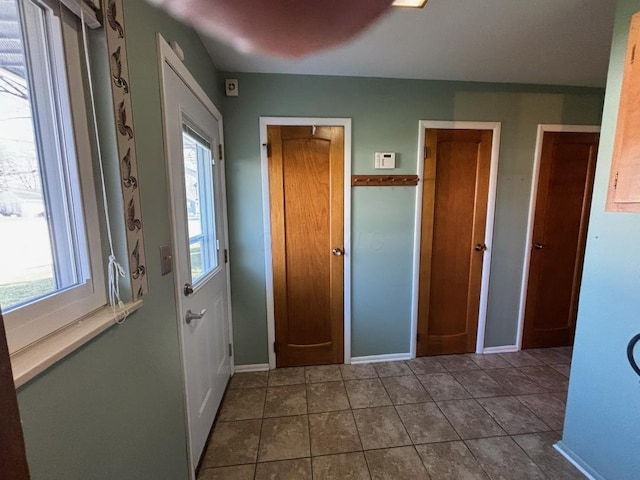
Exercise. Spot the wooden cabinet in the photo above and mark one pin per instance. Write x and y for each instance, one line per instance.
(624, 182)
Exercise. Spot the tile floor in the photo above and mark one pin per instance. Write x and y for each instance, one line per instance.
(449, 417)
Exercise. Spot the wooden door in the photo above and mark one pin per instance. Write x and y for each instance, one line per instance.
(565, 182)
(454, 215)
(306, 184)
(13, 459)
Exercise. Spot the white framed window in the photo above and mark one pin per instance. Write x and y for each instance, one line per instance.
(51, 270)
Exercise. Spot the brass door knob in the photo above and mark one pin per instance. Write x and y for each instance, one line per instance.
(338, 252)
(538, 246)
(480, 247)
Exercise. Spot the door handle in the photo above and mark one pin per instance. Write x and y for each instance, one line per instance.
(538, 246)
(480, 247)
(189, 316)
(338, 252)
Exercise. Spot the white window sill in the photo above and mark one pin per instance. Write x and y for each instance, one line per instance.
(36, 358)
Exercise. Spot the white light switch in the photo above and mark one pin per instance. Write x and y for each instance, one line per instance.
(385, 160)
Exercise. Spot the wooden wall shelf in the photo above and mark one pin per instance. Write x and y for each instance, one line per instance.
(384, 180)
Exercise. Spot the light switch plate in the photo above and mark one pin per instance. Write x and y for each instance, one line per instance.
(166, 260)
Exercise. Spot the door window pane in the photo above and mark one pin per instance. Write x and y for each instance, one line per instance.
(198, 179)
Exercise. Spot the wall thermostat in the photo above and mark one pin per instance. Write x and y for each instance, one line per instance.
(385, 160)
(231, 87)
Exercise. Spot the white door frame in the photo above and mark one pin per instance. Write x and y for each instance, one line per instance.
(264, 160)
(167, 55)
(542, 128)
(495, 127)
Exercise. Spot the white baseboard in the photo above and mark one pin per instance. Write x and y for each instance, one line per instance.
(577, 462)
(256, 367)
(389, 357)
(501, 349)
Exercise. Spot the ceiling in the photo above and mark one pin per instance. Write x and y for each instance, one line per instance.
(556, 42)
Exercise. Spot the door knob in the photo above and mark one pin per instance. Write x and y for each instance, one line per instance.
(538, 246)
(480, 247)
(189, 316)
(188, 289)
(338, 252)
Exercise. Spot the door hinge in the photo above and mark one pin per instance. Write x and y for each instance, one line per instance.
(275, 350)
(417, 338)
(220, 151)
(213, 159)
(426, 151)
(615, 182)
(226, 256)
(230, 350)
(633, 54)
(268, 147)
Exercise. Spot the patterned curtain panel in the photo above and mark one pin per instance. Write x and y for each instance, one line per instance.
(113, 21)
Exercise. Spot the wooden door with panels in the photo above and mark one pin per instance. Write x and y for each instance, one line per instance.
(565, 184)
(306, 196)
(454, 216)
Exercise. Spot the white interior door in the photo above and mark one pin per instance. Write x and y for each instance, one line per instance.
(196, 194)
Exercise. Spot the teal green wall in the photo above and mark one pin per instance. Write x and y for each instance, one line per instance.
(602, 426)
(114, 409)
(385, 115)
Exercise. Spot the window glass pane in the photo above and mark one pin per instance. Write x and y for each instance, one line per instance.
(36, 246)
(198, 178)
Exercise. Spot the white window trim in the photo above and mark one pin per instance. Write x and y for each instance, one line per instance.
(36, 358)
(31, 323)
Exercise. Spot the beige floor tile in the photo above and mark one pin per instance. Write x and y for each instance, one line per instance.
(425, 365)
(443, 386)
(406, 389)
(243, 404)
(299, 469)
(249, 380)
(327, 397)
(450, 461)
(284, 438)
(515, 382)
(395, 464)
(366, 393)
(502, 459)
(380, 427)
(488, 361)
(563, 368)
(286, 376)
(548, 378)
(237, 472)
(520, 359)
(479, 384)
(322, 373)
(512, 415)
(426, 423)
(566, 351)
(548, 356)
(457, 363)
(548, 407)
(539, 447)
(469, 419)
(333, 432)
(286, 401)
(345, 466)
(233, 443)
(392, 369)
(357, 372)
